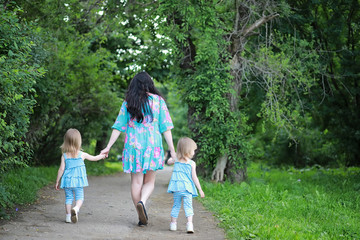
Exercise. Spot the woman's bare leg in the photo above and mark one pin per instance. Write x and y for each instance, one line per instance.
(136, 186)
(148, 185)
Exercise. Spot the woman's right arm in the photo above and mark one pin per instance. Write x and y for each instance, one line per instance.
(114, 136)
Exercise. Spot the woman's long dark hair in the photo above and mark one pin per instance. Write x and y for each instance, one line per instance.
(137, 96)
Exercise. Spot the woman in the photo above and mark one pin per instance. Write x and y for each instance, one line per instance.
(143, 117)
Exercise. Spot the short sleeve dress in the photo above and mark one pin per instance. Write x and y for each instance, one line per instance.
(143, 148)
(75, 173)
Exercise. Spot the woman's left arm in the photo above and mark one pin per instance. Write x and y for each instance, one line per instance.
(169, 141)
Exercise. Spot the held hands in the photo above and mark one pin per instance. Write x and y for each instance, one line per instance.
(105, 152)
(170, 161)
(173, 154)
(99, 157)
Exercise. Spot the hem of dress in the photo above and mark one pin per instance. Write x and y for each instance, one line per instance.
(74, 187)
(144, 170)
(168, 128)
(193, 195)
(121, 130)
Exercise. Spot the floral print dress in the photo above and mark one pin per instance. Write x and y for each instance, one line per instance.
(143, 148)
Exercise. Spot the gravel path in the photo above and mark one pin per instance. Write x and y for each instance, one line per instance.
(108, 213)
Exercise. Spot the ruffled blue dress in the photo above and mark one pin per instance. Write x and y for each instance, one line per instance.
(181, 179)
(75, 173)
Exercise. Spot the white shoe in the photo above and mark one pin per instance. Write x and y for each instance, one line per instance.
(190, 227)
(68, 219)
(172, 226)
(74, 215)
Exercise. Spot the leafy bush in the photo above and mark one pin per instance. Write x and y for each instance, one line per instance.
(17, 78)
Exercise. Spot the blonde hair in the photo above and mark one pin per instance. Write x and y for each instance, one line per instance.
(184, 147)
(72, 141)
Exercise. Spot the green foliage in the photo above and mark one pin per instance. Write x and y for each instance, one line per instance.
(101, 168)
(332, 29)
(311, 147)
(284, 131)
(87, 104)
(203, 78)
(18, 75)
(298, 76)
(312, 203)
(178, 111)
(78, 90)
(91, 50)
(291, 64)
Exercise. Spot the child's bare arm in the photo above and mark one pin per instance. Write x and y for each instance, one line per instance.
(93, 158)
(196, 180)
(60, 173)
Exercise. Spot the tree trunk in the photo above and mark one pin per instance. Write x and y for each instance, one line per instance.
(218, 172)
(237, 46)
(236, 174)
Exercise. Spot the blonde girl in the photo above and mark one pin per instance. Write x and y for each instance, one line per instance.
(183, 181)
(72, 173)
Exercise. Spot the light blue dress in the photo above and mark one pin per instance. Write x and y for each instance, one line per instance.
(181, 179)
(75, 173)
(143, 148)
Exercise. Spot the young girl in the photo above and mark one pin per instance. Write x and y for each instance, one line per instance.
(73, 173)
(183, 181)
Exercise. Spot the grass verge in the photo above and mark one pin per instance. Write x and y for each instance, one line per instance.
(312, 203)
(20, 186)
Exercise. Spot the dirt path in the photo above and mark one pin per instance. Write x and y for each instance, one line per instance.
(108, 213)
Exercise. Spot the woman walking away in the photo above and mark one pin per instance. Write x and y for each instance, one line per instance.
(72, 173)
(143, 117)
(183, 181)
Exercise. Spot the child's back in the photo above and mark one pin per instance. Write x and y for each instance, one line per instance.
(181, 178)
(75, 172)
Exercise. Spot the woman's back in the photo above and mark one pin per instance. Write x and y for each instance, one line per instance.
(143, 149)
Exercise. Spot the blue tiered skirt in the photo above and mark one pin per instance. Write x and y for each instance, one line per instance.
(75, 173)
(181, 179)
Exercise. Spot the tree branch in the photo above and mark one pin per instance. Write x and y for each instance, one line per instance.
(248, 31)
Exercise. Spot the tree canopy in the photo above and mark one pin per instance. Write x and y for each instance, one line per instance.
(260, 80)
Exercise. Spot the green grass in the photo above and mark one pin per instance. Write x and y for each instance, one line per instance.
(288, 204)
(20, 186)
(100, 168)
